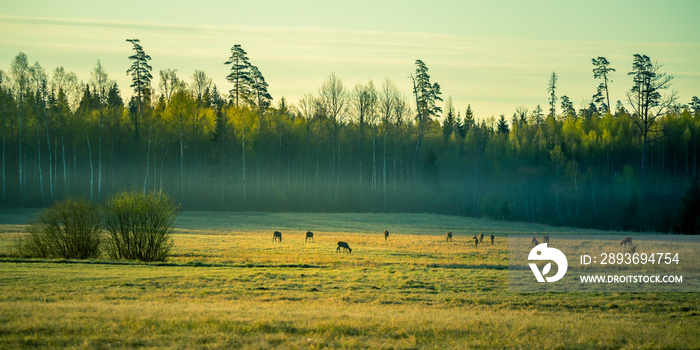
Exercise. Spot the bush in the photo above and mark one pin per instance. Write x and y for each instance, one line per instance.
(139, 226)
(69, 229)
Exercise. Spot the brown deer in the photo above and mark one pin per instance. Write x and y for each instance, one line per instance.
(277, 235)
(309, 234)
(626, 241)
(545, 239)
(448, 236)
(345, 246)
(476, 241)
(386, 235)
(492, 238)
(481, 237)
(534, 241)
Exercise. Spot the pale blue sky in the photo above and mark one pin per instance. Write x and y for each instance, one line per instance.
(495, 55)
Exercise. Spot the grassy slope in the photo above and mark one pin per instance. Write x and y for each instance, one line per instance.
(227, 285)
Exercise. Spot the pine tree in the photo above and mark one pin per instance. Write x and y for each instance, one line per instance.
(567, 107)
(140, 71)
(551, 89)
(601, 71)
(240, 75)
(502, 127)
(449, 123)
(645, 97)
(426, 95)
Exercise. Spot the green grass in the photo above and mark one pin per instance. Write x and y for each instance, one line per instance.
(227, 285)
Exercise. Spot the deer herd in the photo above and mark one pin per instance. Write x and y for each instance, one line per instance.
(277, 237)
(478, 239)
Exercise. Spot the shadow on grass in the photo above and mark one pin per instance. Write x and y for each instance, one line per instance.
(472, 267)
(160, 263)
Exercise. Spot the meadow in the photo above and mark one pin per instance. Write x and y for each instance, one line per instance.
(227, 285)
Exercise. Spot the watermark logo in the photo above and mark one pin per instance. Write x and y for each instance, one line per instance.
(542, 252)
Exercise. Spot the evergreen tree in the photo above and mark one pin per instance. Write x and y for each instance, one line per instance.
(468, 119)
(601, 71)
(502, 128)
(646, 99)
(552, 89)
(426, 95)
(449, 124)
(694, 105)
(537, 116)
(567, 107)
(240, 74)
(140, 71)
(258, 88)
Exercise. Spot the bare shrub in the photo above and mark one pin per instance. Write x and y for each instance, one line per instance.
(70, 229)
(139, 226)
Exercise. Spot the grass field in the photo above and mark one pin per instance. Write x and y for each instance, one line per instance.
(227, 285)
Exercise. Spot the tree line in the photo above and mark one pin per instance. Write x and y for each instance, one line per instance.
(365, 148)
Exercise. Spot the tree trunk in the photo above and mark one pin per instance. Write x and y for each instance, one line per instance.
(48, 144)
(243, 163)
(38, 149)
(384, 166)
(22, 193)
(4, 128)
(182, 158)
(148, 155)
(92, 171)
(99, 159)
(63, 155)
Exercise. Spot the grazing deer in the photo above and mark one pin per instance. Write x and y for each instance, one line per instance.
(476, 242)
(535, 242)
(626, 241)
(545, 239)
(386, 235)
(277, 235)
(481, 237)
(448, 236)
(309, 234)
(343, 245)
(492, 238)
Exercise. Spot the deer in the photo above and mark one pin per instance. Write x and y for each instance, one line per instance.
(626, 241)
(535, 242)
(277, 235)
(481, 237)
(386, 235)
(345, 246)
(448, 236)
(309, 234)
(545, 239)
(476, 241)
(492, 238)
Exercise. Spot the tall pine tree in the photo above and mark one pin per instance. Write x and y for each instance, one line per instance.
(240, 75)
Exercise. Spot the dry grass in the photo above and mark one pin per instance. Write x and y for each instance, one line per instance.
(230, 286)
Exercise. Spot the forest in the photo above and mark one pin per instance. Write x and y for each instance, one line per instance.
(366, 148)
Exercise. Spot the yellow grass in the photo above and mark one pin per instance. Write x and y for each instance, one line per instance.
(227, 285)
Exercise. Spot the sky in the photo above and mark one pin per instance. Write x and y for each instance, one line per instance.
(493, 55)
